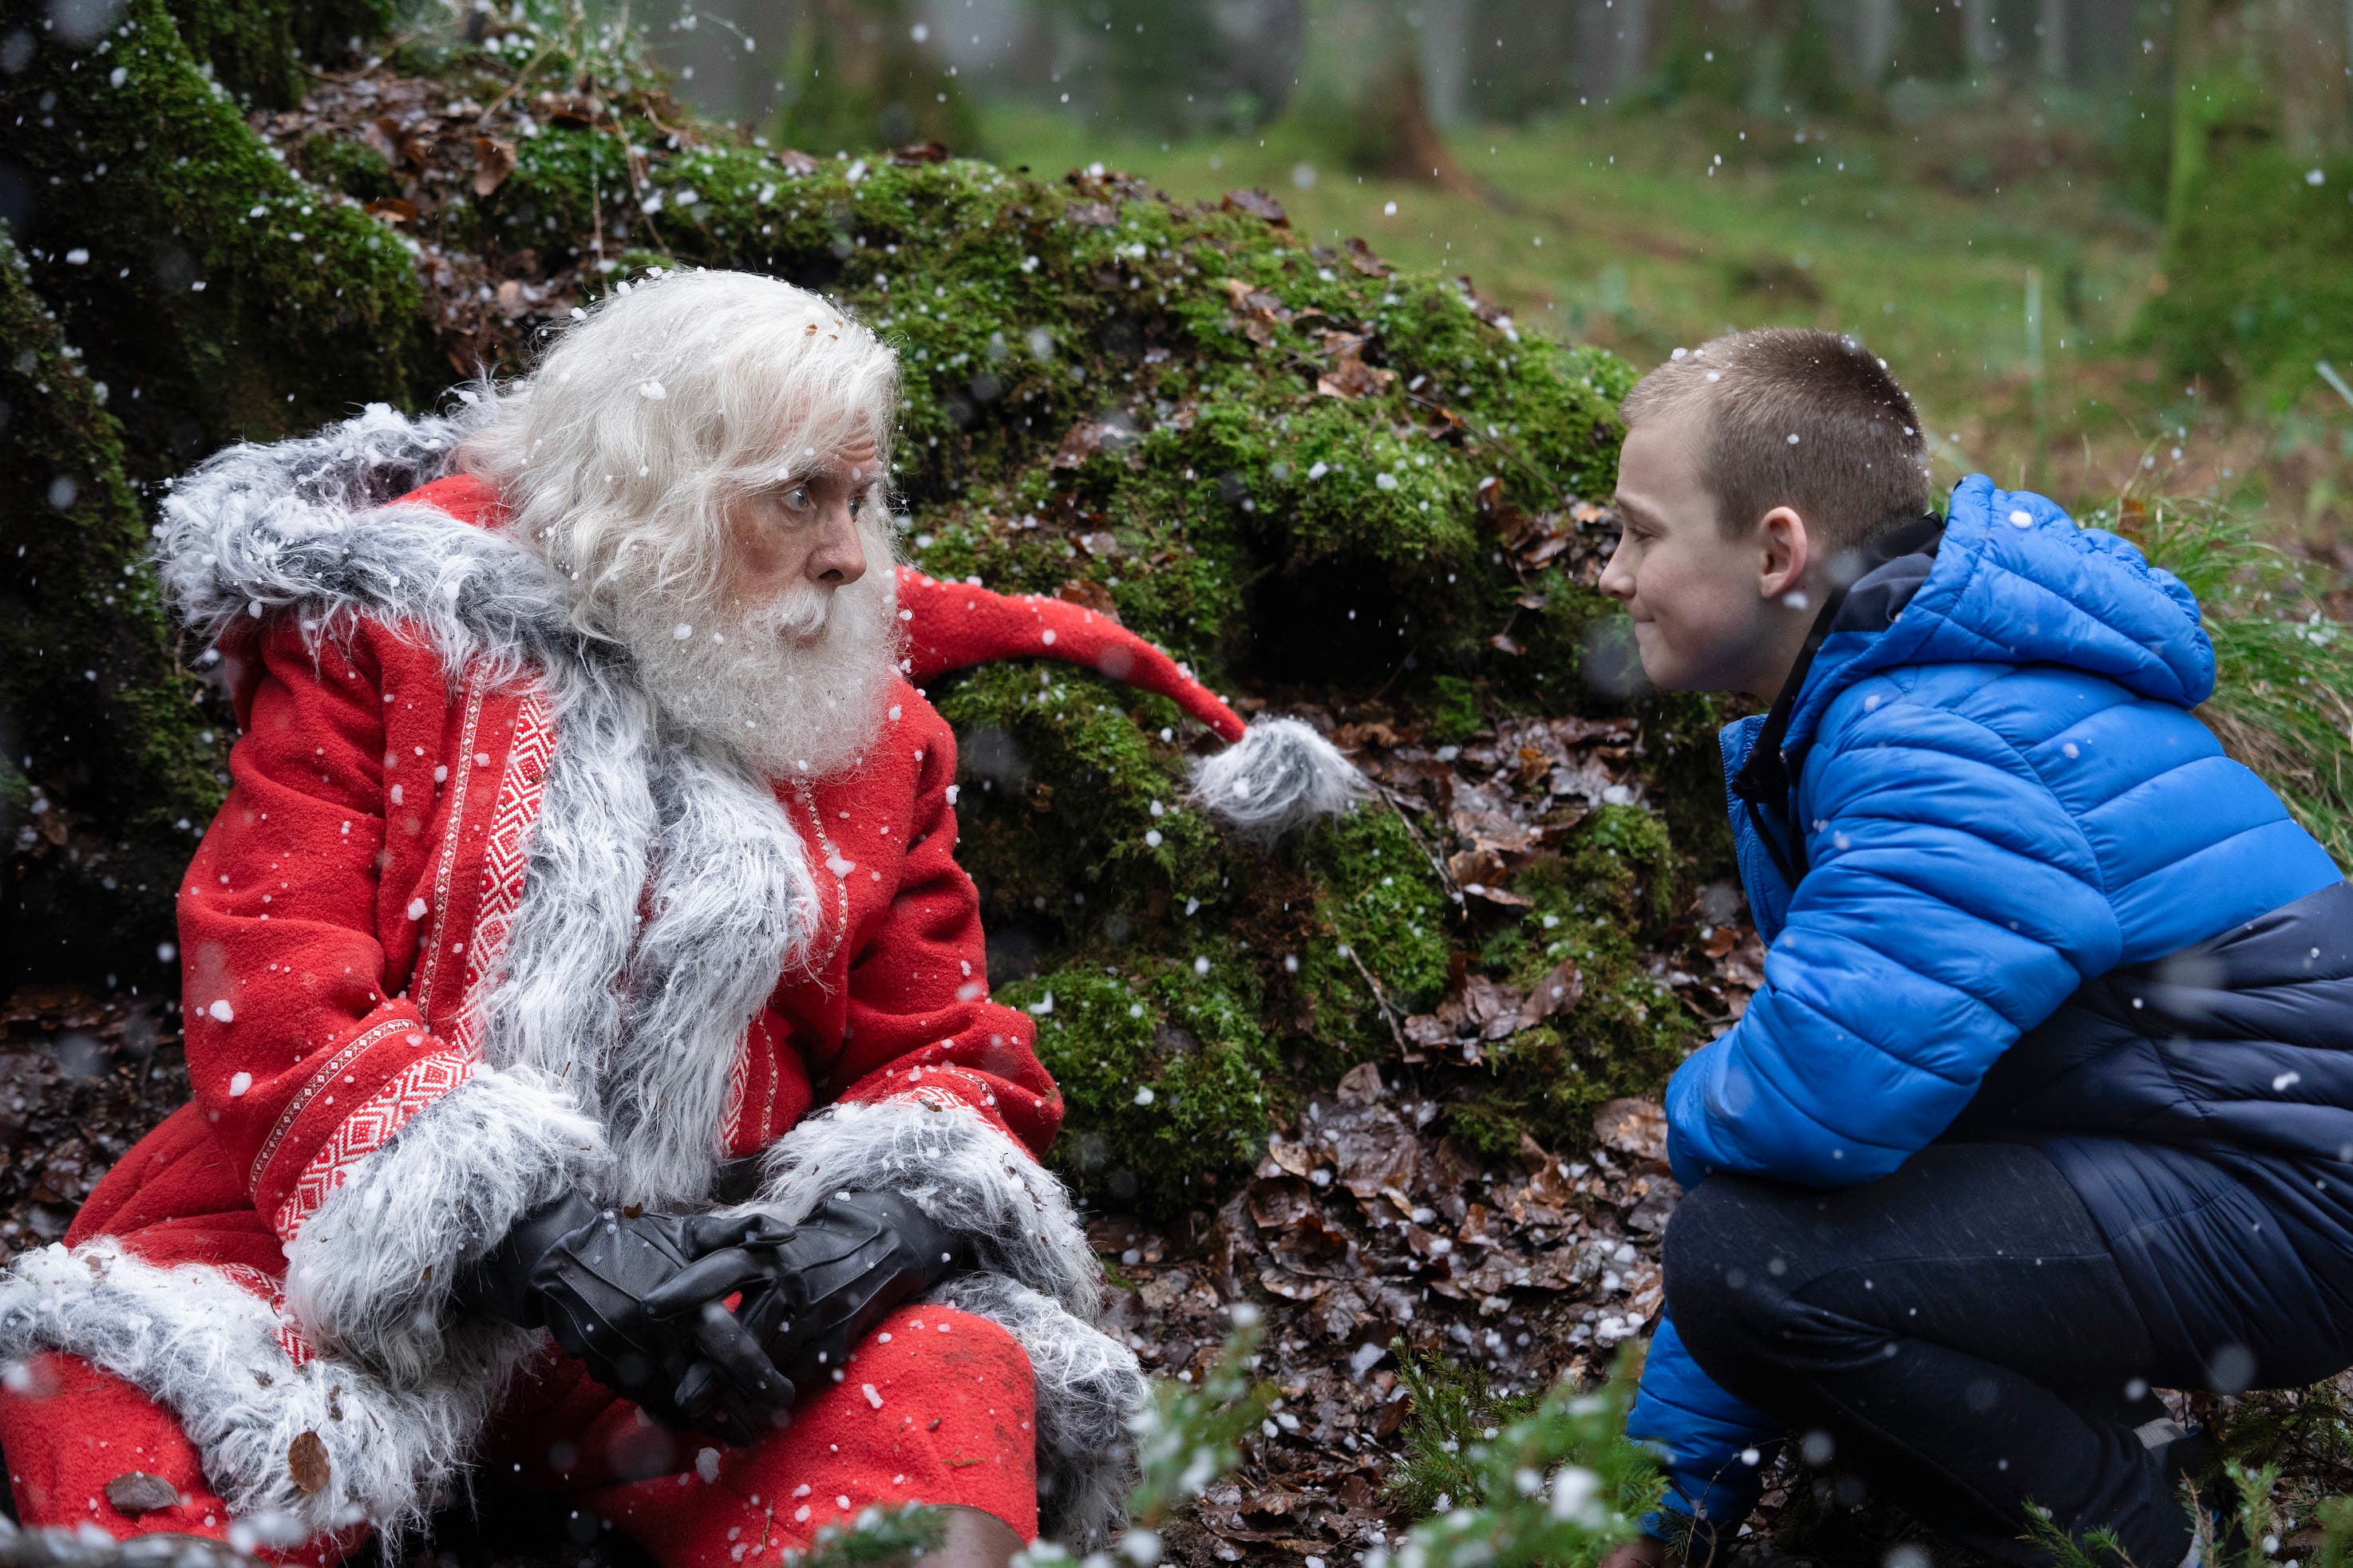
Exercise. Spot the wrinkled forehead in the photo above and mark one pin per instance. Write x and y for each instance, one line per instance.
(850, 455)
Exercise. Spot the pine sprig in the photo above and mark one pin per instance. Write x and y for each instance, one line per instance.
(1556, 1489)
(875, 1535)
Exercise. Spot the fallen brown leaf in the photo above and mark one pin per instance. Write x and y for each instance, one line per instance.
(494, 160)
(306, 1464)
(1257, 204)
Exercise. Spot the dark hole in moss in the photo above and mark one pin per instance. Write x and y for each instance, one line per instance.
(989, 753)
(1302, 629)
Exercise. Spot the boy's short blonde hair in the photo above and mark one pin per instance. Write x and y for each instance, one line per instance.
(1797, 417)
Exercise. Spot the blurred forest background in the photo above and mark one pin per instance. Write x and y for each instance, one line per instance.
(2107, 243)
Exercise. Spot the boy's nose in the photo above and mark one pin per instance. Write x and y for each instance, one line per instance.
(1616, 580)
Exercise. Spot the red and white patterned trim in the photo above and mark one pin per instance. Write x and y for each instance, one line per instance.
(356, 1048)
(368, 1128)
(452, 834)
(829, 858)
(506, 858)
(289, 1333)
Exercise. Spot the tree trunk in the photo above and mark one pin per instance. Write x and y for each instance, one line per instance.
(1445, 59)
(1981, 42)
(1874, 40)
(2258, 221)
(2051, 41)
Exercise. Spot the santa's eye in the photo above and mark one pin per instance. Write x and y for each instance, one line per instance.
(797, 498)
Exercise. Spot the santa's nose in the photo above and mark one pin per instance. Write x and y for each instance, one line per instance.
(839, 559)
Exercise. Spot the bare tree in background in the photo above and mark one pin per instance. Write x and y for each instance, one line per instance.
(1874, 40)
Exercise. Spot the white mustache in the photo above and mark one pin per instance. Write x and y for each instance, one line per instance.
(800, 614)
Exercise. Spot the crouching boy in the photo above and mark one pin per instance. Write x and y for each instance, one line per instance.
(2047, 1098)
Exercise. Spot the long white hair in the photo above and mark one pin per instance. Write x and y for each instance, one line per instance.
(666, 402)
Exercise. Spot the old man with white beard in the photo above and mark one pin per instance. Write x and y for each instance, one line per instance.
(595, 1074)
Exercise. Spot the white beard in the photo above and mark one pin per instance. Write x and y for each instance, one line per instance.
(793, 686)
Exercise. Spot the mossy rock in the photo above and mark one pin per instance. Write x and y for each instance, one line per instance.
(1086, 400)
(111, 765)
(1169, 1083)
(217, 294)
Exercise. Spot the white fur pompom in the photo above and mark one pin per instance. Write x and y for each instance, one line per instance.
(1279, 775)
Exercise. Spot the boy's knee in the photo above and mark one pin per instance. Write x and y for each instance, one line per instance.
(1726, 1285)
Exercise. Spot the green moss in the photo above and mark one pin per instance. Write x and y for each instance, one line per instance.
(1627, 1031)
(1626, 849)
(1073, 817)
(1384, 913)
(1455, 712)
(257, 49)
(352, 168)
(216, 293)
(1166, 1075)
(121, 761)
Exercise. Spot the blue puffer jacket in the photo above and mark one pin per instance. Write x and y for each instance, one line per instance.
(1990, 797)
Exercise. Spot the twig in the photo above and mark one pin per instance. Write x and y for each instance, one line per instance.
(1380, 997)
(2328, 374)
(529, 66)
(1445, 876)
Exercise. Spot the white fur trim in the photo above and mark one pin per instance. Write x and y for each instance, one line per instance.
(1089, 1391)
(734, 904)
(964, 1174)
(369, 1276)
(301, 526)
(1036, 1276)
(209, 1349)
(1279, 777)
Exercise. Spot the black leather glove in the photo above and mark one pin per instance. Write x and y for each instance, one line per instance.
(813, 1291)
(586, 1274)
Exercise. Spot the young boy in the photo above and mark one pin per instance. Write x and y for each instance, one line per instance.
(2047, 1098)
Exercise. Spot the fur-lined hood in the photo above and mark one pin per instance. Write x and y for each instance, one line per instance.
(306, 526)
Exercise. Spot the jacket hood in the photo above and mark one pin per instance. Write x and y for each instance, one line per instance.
(2014, 581)
(307, 526)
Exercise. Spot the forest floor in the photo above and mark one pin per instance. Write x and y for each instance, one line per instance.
(1364, 1231)
(1364, 1235)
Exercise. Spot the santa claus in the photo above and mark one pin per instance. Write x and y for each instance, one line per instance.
(596, 1078)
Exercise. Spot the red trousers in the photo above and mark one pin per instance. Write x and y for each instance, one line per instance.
(937, 1407)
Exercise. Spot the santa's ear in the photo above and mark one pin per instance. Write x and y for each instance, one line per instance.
(1280, 776)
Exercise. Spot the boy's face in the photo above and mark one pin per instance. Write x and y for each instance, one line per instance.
(1704, 618)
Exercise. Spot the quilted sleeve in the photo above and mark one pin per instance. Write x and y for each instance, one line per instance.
(1713, 1447)
(1952, 903)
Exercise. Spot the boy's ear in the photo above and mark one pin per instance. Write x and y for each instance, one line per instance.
(1784, 552)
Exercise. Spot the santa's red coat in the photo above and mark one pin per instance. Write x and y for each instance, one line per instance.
(341, 925)
(342, 917)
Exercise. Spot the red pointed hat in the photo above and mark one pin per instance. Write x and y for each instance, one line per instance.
(1273, 776)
